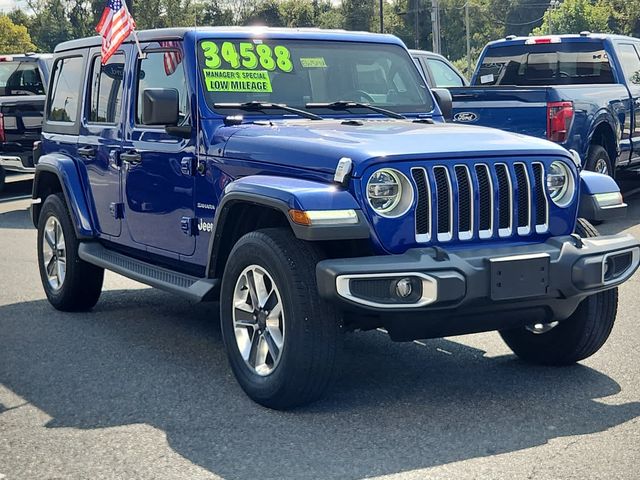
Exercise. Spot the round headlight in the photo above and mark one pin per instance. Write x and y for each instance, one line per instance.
(560, 184)
(389, 193)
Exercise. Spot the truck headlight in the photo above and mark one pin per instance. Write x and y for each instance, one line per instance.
(560, 184)
(389, 192)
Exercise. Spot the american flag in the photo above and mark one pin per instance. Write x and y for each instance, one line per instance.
(172, 58)
(114, 27)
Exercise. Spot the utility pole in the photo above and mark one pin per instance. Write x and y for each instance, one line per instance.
(553, 4)
(381, 16)
(416, 25)
(435, 25)
(466, 22)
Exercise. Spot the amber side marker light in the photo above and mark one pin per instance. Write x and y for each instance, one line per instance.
(323, 217)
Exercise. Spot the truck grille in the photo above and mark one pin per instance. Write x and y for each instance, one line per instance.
(485, 200)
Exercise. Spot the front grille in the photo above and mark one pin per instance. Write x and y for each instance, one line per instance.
(444, 199)
(485, 200)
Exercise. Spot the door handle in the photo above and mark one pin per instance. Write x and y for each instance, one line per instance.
(87, 152)
(132, 158)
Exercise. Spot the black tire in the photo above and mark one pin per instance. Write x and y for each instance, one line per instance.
(82, 284)
(312, 329)
(595, 155)
(574, 339)
(3, 176)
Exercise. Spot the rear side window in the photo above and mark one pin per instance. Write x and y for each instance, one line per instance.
(105, 90)
(163, 70)
(630, 62)
(443, 75)
(565, 63)
(20, 78)
(65, 90)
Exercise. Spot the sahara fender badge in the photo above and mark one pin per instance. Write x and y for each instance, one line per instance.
(465, 117)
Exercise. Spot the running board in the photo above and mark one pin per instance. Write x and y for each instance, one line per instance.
(194, 288)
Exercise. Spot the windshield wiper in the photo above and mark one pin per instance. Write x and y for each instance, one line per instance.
(255, 106)
(347, 105)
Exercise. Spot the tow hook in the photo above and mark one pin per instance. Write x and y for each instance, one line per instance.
(577, 240)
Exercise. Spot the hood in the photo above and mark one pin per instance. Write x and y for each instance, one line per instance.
(320, 144)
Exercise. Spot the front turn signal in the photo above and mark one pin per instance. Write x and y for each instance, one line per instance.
(323, 217)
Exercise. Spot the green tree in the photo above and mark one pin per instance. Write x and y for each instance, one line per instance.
(358, 14)
(298, 13)
(215, 13)
(266, 13)
(574, 16)
(626, 17)
(49, 24)
(14, 38)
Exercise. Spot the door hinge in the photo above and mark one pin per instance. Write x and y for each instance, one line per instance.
(188, 166)
(117, 210)
(189, 226)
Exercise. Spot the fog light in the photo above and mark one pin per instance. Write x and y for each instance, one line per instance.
(404, 287)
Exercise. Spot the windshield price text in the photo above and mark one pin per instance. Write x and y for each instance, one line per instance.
(247, 55)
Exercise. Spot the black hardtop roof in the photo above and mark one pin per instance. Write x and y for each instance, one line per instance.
(160, 34)
(166, 34)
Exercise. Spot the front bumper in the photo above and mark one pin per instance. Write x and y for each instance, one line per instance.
(548, 279)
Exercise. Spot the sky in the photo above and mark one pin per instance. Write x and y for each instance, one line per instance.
(8, 5)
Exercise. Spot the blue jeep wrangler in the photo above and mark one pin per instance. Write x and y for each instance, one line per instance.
(305, 179)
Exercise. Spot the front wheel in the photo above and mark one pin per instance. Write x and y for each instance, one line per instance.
(281, 338)
(574, 339)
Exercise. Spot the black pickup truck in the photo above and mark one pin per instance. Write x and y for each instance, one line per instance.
(23, 82)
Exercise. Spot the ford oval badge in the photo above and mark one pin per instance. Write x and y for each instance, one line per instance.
(465, 117)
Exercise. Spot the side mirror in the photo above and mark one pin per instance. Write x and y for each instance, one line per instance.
(445, 102)
(160, 106)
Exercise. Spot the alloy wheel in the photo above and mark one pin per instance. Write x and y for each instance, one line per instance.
(54, 253)
(601, 166)
(258, 320)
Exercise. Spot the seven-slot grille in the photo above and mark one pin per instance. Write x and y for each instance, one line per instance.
(493, 200)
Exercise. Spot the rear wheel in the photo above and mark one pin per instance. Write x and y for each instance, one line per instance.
(598, 160)
(571, 340)
(281, 337)
(3, 177)
(70, 283)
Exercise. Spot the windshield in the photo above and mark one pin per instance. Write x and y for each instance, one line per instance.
(562, 63)
(299, 72)
(20, 78)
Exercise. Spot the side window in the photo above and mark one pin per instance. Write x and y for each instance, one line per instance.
(163, 70)
(65, 90)
(105, 90)
(630, 62)
(443, 75)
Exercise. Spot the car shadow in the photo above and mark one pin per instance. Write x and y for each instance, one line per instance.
(16, 219)
(145, 357)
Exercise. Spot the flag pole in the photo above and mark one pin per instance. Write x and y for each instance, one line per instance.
(141, 54)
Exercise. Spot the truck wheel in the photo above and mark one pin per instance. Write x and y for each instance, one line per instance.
(281, 338)
(574, 339)
(598, 160)
(71, 284)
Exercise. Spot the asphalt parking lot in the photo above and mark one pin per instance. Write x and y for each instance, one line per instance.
(140, 388)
